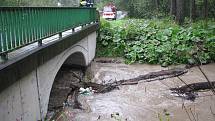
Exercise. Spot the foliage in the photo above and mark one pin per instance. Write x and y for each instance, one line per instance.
(8, 2)
(157, 41)
(166, 117)
(147, 8)
(211, 7)
(157, 8)
(107, 43)
(120, 4)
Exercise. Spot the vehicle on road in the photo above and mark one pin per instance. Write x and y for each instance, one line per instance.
(109, 12)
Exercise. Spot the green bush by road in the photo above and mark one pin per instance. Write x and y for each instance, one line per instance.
(157, 41)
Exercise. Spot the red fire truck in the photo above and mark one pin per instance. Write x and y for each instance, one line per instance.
(109, 12)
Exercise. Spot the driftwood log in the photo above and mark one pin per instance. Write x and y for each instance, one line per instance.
(103, 88)
(153, 76)
(190, 91)
(159, 75)
(194, 87)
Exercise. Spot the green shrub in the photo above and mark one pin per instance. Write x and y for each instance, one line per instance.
(157, 41)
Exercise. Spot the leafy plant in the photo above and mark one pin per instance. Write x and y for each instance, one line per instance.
(157, 41)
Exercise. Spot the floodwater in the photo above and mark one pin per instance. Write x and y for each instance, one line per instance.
(146, 101)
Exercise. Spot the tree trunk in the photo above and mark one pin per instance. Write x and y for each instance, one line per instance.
(180, 11)
(206, 12)
(205, 9)
(156, 4)
(192, 10)
(173, 8)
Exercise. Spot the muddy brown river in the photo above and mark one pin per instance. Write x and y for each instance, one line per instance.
(146, 101)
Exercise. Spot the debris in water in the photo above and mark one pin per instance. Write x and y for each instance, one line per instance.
(87, 91)
(194, 87)
(98, 117)
(189, 91)
(117, 117)
(153, 76)
(108, 61)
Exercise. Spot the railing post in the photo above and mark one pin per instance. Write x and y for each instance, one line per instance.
(83, 25)
(3, 57)
(40, 42)
(60, 35)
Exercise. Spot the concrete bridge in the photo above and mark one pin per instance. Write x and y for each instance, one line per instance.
(26, 79)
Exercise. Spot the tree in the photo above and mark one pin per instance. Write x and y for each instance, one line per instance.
(180, 11)
(192, 10)
(8, 2)
(205, 9)
(73, 3)
(156, 2)
(173, 8)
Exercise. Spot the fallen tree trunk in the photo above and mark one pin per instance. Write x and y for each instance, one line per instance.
(153, 76)
(194, 87)
(159, 75)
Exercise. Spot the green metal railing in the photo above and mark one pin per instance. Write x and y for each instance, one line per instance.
(20, 26)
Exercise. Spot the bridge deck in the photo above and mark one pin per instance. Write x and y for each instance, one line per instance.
(16, 53)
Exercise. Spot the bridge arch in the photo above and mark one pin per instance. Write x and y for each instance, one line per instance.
(61, 85)
(47, 73)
